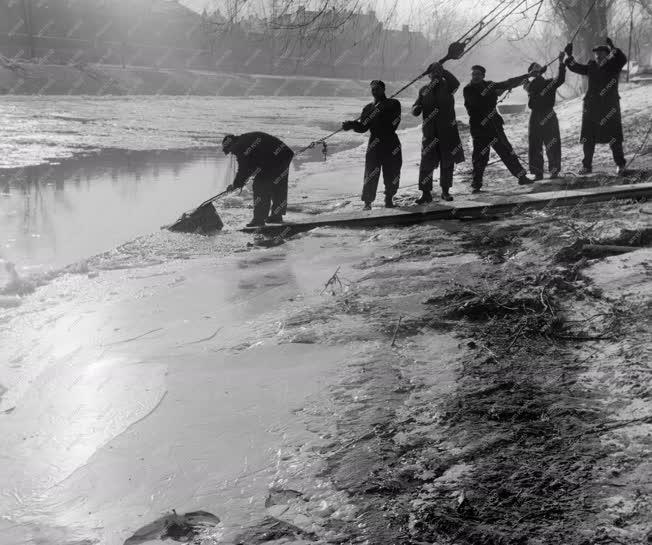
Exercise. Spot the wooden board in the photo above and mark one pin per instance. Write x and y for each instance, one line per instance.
(484, 206)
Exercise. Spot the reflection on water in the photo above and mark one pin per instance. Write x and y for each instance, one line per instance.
(52, 216)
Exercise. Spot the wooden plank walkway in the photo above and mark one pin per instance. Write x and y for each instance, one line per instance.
(486, 205)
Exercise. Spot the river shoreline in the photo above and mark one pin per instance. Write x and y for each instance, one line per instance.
(23, 78)
(463, 381)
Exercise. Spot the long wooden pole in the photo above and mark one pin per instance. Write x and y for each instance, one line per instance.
(629, 47)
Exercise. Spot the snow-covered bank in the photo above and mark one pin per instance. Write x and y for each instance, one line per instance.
(502, 396)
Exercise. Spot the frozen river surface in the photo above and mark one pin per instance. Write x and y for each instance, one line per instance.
(40, 129)
(140, 370)
(136, 391)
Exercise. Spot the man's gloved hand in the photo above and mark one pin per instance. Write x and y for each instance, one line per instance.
(230, 188)
(347, 125)
(569, 49)
(610, 43)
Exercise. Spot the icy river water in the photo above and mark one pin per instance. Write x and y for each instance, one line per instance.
(111, 169)
(137, 374)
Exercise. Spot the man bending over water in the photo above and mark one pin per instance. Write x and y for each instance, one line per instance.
(266, 159)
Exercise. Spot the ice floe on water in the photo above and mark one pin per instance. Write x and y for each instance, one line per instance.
(33, 133)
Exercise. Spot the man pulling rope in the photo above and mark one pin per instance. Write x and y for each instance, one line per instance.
(601, 119)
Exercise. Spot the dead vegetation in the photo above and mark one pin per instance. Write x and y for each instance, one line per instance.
(335, 283)
(271, 529)
(520, 419)
(496, 244)
(511, 455)
(592, 240)
(531, 486)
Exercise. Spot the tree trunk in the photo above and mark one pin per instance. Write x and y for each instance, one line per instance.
(590, 31)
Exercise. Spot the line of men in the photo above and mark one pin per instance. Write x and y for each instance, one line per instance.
(267, 159)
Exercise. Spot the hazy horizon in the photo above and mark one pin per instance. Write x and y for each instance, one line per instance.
(404, 11)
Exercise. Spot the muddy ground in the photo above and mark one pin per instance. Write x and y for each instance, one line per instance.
(501, 394)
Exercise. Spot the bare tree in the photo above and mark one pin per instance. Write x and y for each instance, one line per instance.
(645, 5)
(300, 35)
(593, 29)
(445, 23)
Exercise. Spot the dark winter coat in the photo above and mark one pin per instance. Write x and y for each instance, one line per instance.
(261, 156)
(380, 118)
(601, 119)
(436, 102)
(542, 92)
(481, 99)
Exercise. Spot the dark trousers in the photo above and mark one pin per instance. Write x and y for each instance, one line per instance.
(544, 133)
(430, 159)
(616, 150)
(385, 156)
(497, 139)
(270, 192)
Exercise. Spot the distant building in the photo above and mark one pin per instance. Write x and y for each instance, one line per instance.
(342, 44)
(164, 33)
(100, 31)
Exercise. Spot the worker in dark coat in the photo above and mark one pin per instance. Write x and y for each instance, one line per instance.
(266, 159)
(601, 121)
(543, 130)
(381, 118)
(480, 99)
(440, 145)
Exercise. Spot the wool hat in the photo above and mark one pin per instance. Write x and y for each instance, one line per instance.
(479, 68)
(377, 83)
(601, 48)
